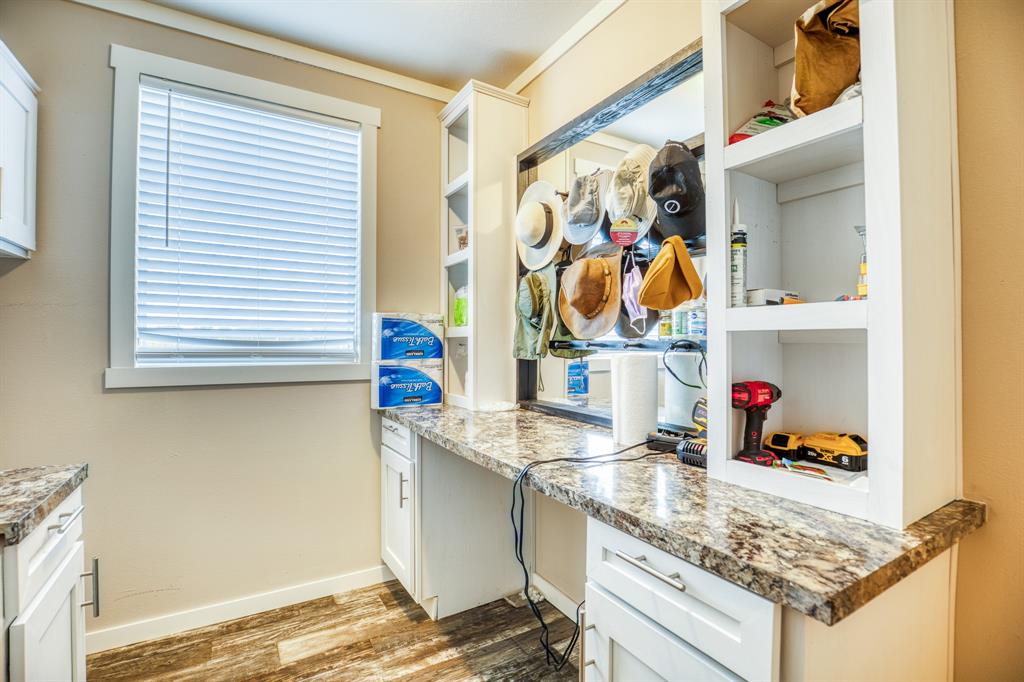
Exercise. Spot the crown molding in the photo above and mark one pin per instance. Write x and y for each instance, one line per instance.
(215, 30)
(458, 102)
(587, 23)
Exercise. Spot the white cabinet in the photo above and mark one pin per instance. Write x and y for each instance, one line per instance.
(623, 646)
(678, 619)
(482, 130)
(18, 111)
(44, 595)
(396, 522)
(47, 640)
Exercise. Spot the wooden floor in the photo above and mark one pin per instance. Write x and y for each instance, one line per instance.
(376, 633)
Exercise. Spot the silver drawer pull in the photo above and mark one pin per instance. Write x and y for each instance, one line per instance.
(391, 427)
(95, 601)
(70, 517)
(638, 562)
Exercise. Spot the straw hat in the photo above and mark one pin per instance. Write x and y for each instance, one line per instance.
(588, 301)
(539, 224)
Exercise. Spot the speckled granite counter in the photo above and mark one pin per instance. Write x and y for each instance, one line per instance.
(28, 495)
(820, 563)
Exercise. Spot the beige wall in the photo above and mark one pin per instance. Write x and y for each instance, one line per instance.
(608, 58)
(990, 577)
(989, 620)
(198, 495)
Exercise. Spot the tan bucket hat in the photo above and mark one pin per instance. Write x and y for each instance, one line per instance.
(588, 300)
(628, 203)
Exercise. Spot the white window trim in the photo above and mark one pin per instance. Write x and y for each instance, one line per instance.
(129, 65)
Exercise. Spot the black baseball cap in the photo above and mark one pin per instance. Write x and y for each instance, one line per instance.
(676, 187)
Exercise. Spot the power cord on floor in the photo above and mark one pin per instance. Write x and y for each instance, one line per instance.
(551, 655)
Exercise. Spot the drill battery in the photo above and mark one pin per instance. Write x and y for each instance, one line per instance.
(843, 450)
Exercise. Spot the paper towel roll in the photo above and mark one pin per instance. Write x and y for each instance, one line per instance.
(634, 397)
(679, 399)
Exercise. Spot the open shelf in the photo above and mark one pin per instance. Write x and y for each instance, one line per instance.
(458, 332)
(803, 316)
(459, 184)
(842, 497)
(460, 257)
(823, 141)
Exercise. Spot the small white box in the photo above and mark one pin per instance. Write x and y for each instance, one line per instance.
(407, 336)
(406, 384)
(768, 296)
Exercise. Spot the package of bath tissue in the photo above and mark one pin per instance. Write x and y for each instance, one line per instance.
(634, 397)
(406, 384)
(407, 336)
(679, 399)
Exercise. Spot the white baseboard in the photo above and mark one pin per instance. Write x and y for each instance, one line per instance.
(172, 623)
(558, 599)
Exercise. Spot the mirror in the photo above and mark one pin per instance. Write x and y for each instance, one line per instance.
(583, 386)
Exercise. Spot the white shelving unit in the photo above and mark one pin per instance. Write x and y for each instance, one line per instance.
(886, 367)
(482, 130)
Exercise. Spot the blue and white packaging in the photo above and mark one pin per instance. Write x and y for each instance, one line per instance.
(407, 336)
(406, 384)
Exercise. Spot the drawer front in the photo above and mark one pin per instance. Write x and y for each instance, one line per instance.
(28, 564)
(737, 628)
(396, 437)
(624, 646)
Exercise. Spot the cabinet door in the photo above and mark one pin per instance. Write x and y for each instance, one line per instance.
(396, 522)
(623, 645)
(47, 640)
(17, 160)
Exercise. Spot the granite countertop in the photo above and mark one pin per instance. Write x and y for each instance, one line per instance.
(28, 495)
(818, 562)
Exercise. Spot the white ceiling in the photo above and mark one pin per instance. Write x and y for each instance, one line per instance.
(676, 115)
(445, 42)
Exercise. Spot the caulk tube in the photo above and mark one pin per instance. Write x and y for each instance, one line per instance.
(738, 260)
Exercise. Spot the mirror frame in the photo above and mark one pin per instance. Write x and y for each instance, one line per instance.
(678, 68)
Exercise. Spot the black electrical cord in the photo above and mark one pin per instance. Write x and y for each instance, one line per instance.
(701, 367)
(551, 655)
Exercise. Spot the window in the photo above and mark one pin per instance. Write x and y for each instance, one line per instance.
(249, 239)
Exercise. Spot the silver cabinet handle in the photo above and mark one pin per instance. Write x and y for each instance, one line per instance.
(95, 601)
(390, 427)
(638, 562)
(69, 518)
(583, 644)
(402, 480)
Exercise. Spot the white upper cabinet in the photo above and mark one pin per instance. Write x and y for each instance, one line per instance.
(18, 109)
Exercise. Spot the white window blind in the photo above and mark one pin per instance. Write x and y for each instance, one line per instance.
(248, 243)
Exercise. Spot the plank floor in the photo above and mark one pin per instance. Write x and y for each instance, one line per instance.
(375, 633)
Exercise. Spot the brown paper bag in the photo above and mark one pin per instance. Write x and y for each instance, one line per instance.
(827, 54)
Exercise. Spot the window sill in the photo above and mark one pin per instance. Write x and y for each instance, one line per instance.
(149, 377)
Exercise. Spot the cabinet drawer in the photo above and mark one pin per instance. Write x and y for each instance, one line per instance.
(622, 645)
(28, 564)
(737, 628)
(396, 437)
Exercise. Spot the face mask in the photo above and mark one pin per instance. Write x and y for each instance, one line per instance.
(631, 281)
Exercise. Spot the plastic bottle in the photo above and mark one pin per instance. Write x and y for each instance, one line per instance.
(862, 273)
(577, 385)
(738, 261)
(665, 324)
(460, 312)
(697, 319)
(679, 316)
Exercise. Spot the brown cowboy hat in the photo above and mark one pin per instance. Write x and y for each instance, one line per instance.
(588, 300)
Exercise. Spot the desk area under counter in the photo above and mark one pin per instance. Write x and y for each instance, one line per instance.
(715, 565)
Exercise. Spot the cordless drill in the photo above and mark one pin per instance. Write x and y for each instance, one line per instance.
(754, 398)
